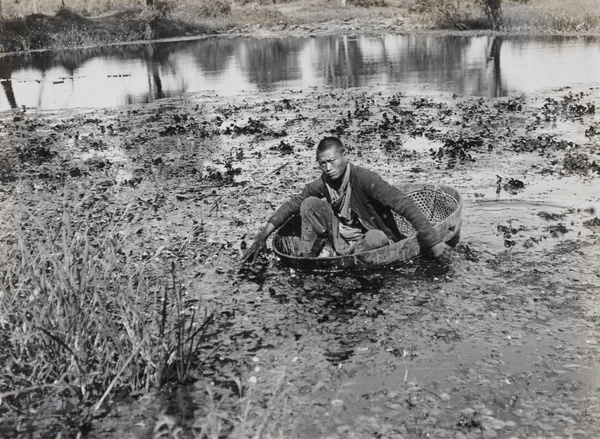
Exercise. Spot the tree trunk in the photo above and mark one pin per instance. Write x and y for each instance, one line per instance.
(343, 3)
(493, 12)
(1, 17)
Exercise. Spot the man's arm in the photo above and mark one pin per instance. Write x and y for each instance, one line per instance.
(409, 210)
(397, 200)
(281, 215)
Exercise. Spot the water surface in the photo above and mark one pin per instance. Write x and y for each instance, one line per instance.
(468, 65)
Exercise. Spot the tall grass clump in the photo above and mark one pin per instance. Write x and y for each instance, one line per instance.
(562, 16)
(82, 318)
(571, 15)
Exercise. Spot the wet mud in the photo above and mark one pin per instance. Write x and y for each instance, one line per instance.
(500, 339)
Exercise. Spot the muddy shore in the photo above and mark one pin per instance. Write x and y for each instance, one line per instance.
(501, 340)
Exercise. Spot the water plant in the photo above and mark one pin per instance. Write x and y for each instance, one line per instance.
(83, 318)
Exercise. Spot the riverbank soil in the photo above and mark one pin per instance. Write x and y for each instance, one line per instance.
(500, 339)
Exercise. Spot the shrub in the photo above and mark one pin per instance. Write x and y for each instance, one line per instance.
(215, 8)
(369, 3)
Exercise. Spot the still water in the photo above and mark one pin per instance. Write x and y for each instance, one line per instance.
(468, 65)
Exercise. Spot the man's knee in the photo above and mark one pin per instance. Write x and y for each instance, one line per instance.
(375, 239)
(311, 204)
(317, 214)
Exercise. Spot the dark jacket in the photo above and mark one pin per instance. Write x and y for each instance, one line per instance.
(372, 201)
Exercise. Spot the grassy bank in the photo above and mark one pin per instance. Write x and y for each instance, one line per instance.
(82, 318)
(86, 314)
(50, 25)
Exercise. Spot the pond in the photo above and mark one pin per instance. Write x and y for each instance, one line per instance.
(489, 66)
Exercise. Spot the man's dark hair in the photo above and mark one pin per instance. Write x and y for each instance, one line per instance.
(330, 142)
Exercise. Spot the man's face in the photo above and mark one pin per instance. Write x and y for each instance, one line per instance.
(332, 162)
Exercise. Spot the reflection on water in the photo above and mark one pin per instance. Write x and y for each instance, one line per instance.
(481, 66)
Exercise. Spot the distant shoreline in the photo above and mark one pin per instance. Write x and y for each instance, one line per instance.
(71, 30)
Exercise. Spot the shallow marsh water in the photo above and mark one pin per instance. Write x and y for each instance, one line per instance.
(500, 340)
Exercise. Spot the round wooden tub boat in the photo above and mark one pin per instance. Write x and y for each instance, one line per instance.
(441, 204)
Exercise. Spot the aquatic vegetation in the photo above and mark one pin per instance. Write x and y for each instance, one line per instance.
(38, 150)
(542, 143)
(458, 149)
(570, 105)
(580, 164)
(284, 147)
(511, 185)
(551, 216)
(557, 230)
(594, 222)
(254, 127)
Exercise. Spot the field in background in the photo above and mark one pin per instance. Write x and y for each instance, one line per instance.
(53, 24)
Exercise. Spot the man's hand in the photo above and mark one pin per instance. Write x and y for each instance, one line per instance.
(260, 243)
(252, 254)
(439, 249)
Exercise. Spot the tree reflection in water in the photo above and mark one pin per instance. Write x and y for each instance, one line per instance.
(267, 65)
(468, 65)
(213, 55)
(340, 61)
(5, 73)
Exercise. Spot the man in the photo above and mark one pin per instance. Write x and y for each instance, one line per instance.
(346, 210)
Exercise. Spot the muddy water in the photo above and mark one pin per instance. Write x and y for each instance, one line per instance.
(469, 65)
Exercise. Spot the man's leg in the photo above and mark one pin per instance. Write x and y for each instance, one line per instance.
(373, 239)
(317, 223)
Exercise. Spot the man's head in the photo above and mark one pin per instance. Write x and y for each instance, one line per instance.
(330, 157)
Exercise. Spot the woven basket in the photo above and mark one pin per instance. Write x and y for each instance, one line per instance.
(436, 204)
